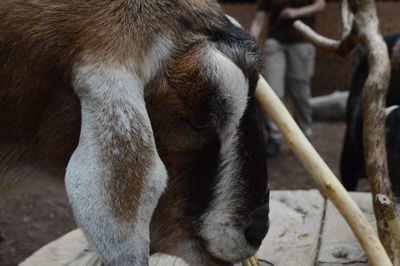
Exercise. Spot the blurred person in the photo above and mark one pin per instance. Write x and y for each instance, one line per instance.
(288, 55)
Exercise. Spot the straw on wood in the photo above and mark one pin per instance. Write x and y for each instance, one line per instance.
(253, 261)
(327, 182)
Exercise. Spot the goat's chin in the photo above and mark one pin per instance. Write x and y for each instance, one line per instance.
(229, 260)
(210, 259)
(195, 253)
(227, 243)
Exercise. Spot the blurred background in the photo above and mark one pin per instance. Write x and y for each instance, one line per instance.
(331, 73)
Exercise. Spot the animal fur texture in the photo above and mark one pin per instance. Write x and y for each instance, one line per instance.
(148, 109)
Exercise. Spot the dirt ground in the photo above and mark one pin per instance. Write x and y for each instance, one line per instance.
(40, 213)
(31, 218)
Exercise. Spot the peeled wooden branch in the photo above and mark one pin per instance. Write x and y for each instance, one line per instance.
(322, 175)
(349, 34)
(341, 48)
(393, 223)
(344, 46)
(374, 105)
(347, 18)
(319, 41)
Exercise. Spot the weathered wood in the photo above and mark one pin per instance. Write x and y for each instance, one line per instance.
(349, 34)
(70, 249)
(339, 264)
(347, 18)
(165, 260)
(296, 218)
(325, 179)
(374, 105)
(338, 245)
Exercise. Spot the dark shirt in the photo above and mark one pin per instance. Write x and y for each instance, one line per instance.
(282, 29)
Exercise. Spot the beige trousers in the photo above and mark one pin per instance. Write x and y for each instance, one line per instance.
(293, 63)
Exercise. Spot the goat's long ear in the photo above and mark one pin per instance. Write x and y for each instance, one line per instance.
(115, 176)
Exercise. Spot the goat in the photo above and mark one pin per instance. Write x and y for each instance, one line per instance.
(147, 108)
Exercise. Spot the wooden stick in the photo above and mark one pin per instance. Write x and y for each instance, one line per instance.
(328, 184)
(374, 117)
(349, 33)
(326, 45)
(319, 41)
(347, 18)
(393, 223)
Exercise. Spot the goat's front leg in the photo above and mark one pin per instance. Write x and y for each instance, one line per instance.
(115, 176)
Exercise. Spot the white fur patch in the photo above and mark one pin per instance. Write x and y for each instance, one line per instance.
(232, 84)
(155, 57)
(189, 251)
(111, 97)
(224, 240)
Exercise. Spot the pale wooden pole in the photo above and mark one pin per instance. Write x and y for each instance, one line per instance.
(361, 25)
(328, 184)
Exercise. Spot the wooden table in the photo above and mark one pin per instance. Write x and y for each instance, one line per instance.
(305, 230)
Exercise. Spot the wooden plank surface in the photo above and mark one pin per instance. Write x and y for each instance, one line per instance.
(162, 259)
(293, 238)
(71, 249)
(296, 218)
(338, 244)
(295, 223)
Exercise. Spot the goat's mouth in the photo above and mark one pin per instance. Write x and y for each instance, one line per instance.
(211, 257)
(207, 258)
(231, 237)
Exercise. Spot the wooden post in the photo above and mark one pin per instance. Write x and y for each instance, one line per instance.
(362, 25)
(374, 117)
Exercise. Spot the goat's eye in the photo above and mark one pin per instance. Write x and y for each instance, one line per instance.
(199, 125)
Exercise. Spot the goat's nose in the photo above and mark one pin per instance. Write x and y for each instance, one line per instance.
(255, 233)
(258, 226)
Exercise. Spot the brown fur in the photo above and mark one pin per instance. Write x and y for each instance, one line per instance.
(127, 168)
(40, 115)
(42, 42)
(38, 48)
